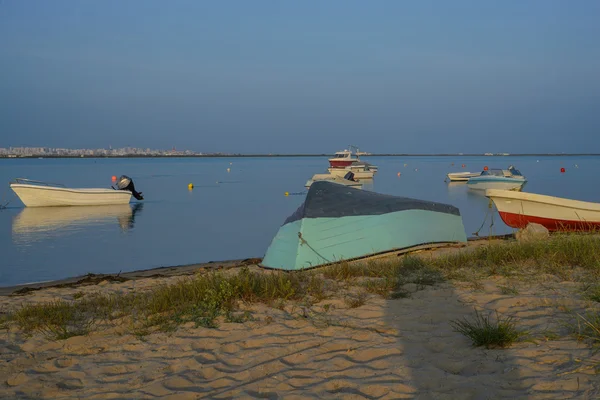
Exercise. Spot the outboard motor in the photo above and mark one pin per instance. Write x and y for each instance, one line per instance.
(126, 183)
(349, 176)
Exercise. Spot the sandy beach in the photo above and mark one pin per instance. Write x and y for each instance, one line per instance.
(335, 348)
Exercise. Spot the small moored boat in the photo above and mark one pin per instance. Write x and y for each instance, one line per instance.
(43, 194)
(360, 171)
(462, 176)
(508, 179)
(517, 209)
(339, 223)
(342, 159)
(346, 180)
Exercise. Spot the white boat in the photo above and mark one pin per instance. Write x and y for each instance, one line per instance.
(360, 171)
(347, 180)
(43, 194)
(342, 159)
(509, 179)
(462, 176)
(517, 209)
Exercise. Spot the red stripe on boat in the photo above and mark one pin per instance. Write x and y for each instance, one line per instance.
(521, 221)
(340, 164)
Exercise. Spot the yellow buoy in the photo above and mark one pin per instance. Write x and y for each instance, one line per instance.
(287, 193)
(228, 169)
(191, 186)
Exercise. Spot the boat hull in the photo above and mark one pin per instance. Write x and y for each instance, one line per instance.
(555, 213)
(340, 163)
(462, 176)
(336, 223)
(358, 173)
(49, 196)
(328, 240)
(479, 183)
(339, 181)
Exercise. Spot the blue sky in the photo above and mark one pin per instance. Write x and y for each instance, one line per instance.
(302, 76)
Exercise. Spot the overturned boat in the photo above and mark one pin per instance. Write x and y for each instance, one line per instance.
(43, 194)
(338, 223)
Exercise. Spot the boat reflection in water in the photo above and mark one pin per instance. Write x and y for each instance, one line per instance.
(36, 223)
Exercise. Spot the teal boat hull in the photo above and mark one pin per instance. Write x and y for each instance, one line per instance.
(310, 242)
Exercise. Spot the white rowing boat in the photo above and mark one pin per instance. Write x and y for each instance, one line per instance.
(517, 209)
(43, 194)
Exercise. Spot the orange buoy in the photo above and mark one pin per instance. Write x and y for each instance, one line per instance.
(399, 174)
(114, 178)
(563, 170)
(485, 168)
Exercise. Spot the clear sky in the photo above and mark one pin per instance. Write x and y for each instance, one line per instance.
(302, 76)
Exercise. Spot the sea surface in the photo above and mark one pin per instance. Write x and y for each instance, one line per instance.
(228, 214)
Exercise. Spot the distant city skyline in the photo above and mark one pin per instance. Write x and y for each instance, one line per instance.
(17, 152)
(415, 76)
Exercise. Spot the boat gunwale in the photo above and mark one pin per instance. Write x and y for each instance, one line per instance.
(386, 253)
(95, 191)
(542, 199)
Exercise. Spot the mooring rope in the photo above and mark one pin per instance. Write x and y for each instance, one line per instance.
(485, 219)
(303, 241)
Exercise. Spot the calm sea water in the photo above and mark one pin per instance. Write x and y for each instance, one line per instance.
(228, 215)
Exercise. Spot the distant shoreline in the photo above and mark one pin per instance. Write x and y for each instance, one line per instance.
(307, 155)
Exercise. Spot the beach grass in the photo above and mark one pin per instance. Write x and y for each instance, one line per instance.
(214, 296)
(587, 327)
(483, 330)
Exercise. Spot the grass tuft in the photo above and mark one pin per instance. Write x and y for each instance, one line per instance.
(587, 327)
(508, 290)
(592, 292)
(488, 332)
(356, 300)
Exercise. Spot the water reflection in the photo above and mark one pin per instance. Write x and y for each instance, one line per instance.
(367, 184)
(36, 223)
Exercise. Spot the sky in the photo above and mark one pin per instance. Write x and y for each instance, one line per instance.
(307, 76)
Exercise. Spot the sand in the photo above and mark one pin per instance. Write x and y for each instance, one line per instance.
(384, 349)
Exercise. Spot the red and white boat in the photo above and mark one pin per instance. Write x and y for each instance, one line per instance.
(342, 159)
(517, 209)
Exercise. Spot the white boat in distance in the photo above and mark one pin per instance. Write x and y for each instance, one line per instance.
(43, 194)
(360, 171)
(462, 176)
(507, 179)
(346, 180)
(517, 209)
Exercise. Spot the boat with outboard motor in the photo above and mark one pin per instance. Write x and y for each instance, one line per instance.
(347, 180)
(508, 179)
(44, 194)
(360, 171)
